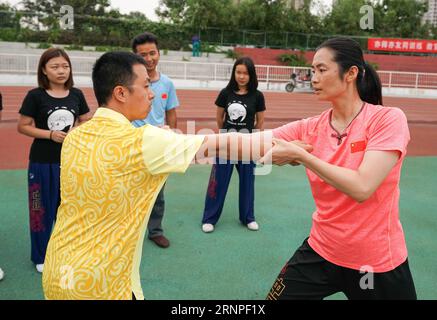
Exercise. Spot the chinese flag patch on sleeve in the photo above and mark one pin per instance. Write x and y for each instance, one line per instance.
(164, 96)
(358, 146)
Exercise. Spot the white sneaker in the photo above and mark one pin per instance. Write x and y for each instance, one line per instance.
(40, 268)
(253, 226)
(2, 274)
(207, 227)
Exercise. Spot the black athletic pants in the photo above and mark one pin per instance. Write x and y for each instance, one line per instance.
(308, 276)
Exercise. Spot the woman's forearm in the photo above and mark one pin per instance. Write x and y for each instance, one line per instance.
(359, 184)
(31, 131)
(345, 180)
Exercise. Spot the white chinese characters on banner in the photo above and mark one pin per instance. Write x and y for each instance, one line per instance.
(402, 45)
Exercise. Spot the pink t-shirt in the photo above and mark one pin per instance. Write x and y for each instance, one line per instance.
(347, 233)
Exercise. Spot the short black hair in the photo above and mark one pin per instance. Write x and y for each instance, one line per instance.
(113, 69)
(143, 38)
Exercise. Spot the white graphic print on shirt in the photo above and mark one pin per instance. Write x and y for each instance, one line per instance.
(60, 119)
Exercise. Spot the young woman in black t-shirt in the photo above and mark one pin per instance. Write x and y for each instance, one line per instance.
(240, 107)
(47, 114)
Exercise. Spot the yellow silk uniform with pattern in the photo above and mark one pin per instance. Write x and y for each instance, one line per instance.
(111, 174)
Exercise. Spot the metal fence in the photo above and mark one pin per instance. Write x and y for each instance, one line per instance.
(26, 64)
(268, 39)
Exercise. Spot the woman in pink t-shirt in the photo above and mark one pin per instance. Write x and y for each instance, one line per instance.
(356, 244)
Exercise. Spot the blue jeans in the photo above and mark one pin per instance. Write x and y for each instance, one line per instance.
(218, 186)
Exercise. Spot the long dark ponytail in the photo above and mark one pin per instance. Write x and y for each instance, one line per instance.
(348, 53)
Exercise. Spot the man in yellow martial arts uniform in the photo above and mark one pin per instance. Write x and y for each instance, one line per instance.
(111, 174)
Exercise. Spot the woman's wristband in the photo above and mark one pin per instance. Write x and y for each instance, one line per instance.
(51, 132)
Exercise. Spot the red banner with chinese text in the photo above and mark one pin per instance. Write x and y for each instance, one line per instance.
(402, 45)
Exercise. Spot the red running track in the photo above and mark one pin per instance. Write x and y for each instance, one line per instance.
(198, 106)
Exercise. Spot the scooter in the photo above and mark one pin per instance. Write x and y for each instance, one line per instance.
(295, 82)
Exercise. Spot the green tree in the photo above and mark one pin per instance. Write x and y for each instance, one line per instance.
(9, 17)
(172, 11)
(276, 15)
(304, 21)
(94, 21)
(255, 17)
(281, 22)
(84, 7)
(136, 15)
(252, 15)
(196, 13)
(344, 19)
(48, 11)
(401, 18)
(392, 18)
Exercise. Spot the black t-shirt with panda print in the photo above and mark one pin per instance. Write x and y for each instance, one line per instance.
(49, 113)
(240, 110)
